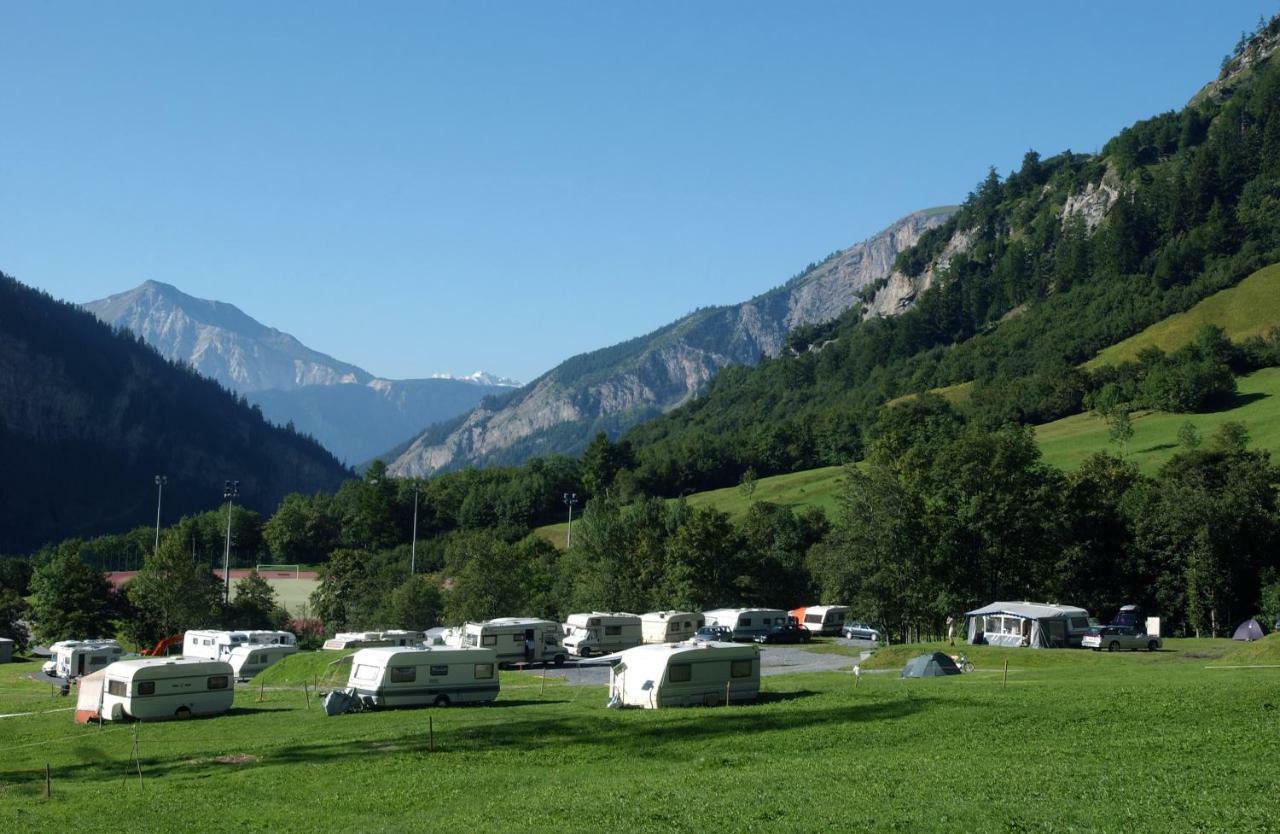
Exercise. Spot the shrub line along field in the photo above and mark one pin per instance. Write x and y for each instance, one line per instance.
(1077, 741)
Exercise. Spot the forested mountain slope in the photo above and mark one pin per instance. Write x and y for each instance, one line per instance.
(616, 387)
(1034, 275)
(88, 417)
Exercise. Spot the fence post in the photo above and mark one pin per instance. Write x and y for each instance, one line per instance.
(431, 734)
(727, 684)
(48, 781)
(1006, 673)
(307, 693)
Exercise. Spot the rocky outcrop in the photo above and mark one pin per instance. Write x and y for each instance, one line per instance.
(1092, 204)
(617, 387)
(901, 290)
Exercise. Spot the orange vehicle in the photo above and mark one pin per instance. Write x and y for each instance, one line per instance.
(164, 647)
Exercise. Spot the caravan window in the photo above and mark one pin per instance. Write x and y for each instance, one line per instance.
(1079, 623)
(219, 682)
(613, 631)
(146, 687)
(813, 618)
(489, 640)
(516, 638)
(745, 621)
(740, 669)
(439, 671)
(364, 672)
(679, 672)
(116, 688)
(484, 671)
(404, 674)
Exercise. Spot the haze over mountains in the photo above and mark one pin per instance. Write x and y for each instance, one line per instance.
(354, 413)
(618, 387)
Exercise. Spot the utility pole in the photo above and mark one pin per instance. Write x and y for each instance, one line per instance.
(413, 548)
(161, 480)
(230, 491)
(570, 498)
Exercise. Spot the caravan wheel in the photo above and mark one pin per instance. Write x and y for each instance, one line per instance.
(183, 713)
(1114, 647)
(1153, 646)
(559, 660)
(442, 700)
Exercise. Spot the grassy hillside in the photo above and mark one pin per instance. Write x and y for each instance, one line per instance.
(1251, 308)
(961, 753)
(1067, 442)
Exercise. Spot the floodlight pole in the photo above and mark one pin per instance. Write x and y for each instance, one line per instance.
(230, 491)
(413, 548)
(570, 498)
(161, 480)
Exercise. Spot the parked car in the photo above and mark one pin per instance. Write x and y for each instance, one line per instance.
(860, 631)
(785, 633)
(714, 634)
(1116, 637)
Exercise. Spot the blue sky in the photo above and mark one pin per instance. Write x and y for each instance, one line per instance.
(418, 187)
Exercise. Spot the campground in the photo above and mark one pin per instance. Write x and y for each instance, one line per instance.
(1075, 741)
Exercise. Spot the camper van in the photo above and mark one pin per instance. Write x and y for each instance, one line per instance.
(822, 619)
(373, 639)
(670, 626)
(218, 645)
(516, 639)
(156, 688)
(747, 623)
(71, 659)
(602, 632)
(270, 638)
(685, 674)
(391, 676)
(248, 660)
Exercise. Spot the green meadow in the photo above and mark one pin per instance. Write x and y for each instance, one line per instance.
(1072, 741)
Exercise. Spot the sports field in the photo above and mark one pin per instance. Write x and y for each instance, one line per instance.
(1075, 741)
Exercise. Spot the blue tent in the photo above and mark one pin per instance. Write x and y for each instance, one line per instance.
(1248, 631)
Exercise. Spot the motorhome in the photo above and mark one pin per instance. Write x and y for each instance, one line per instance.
(516, 639)
(747, 623)
(822, 619)
(70, 659)
(392, 676)
(218, 645)
(670, 626)
(685, 674)
(249, 659)
(271, 638)
(156, 688)
(373, 639)
(602, 632)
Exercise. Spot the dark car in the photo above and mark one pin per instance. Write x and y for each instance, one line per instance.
(785, 633)
(860, 631)
(714, 634)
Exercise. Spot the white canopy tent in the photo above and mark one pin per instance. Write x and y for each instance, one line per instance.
(1033, 624)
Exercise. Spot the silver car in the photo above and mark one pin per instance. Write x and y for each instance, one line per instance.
(1113, 638)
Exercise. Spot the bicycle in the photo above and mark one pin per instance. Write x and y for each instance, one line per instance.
(965, 664)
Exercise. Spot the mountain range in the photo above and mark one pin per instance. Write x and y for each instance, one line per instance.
(354, 413)
(618, 387)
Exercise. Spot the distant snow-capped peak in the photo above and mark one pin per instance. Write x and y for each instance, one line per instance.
(481, 378)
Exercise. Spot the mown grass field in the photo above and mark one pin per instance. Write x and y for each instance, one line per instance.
(1076, 741)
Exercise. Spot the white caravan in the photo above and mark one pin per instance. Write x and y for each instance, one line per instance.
(602, 632)
(390, 676)
(517, 639)
(218, 645)
(823, 619)
(747, 623)
(157, 688)
(71, 659)
(248, 660)
(685, 674)
(373, 639)
(670, 626)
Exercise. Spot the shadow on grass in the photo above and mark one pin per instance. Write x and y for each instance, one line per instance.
(1239, 400)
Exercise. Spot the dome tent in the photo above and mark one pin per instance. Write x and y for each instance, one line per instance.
(1248, 631)
(931, 665)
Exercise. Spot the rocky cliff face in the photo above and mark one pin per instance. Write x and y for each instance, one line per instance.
(615, 388)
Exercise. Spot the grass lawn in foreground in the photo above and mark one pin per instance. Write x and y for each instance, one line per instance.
(1076, 741)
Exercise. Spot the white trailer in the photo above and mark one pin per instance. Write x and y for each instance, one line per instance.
(670, 626)
(153, 689)
(602, 632)
(391, 676)
(214, 644)
(373, 639)
(271, 638)
(517, 639)
(248, 660)
(747, 623)
(70, 659)
(823, 619)
(685, 674)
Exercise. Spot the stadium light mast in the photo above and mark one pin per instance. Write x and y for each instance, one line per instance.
(570, 498)
(413, 548)
(230, 491)
(161, 480)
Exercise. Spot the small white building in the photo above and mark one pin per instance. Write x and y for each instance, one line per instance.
(685, 674)
(670, 626)
(747, 623)
(601, 632)
(72, 659)
(392, 676)
(823, 619)
(153, 689)
(248, 660)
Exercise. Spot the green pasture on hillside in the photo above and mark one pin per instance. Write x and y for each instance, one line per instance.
(1076, 741)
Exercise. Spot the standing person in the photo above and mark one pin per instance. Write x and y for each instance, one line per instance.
(951, 629)
(528, 649)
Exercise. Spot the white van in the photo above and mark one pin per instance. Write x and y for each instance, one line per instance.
(157, 688)
(517, 639)
(391, 676)
(372, 639)
(211, 644)
(248, 660)
(72, 659)
(602, 632)
(823, 619)
(685, 674)
(747, 623)
(670, 626)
